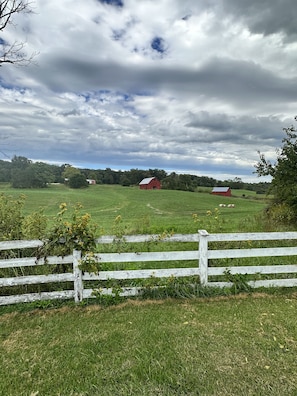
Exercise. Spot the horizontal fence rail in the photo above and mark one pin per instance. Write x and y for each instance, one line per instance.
(210, 249)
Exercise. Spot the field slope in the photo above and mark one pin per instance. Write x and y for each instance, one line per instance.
(142, 211)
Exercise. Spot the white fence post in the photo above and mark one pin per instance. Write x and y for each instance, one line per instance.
(203, 257)
(78, 283)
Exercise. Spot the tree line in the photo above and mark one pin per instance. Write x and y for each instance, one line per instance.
(22, 172)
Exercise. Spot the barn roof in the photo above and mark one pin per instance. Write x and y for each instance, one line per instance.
(147, 180)
(220, 189)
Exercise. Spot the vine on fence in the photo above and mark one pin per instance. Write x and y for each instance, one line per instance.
(89, 263)
(72, 230)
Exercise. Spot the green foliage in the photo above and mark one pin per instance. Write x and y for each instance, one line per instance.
(70, 231)
(78, 181)
(34, 225)
(280, 214)
(142, 225)
(283, 173)
(5, 171)
(118, 229)
(70, 171)
(11, 217)
(26, 174)
(239, 282)
(113, 298)
(173, 287)
(90, 263)
(14, 224)
(211, 221)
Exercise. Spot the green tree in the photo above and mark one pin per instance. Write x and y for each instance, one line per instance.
(283, 172)
(70, 171)
(78, 181)
(42, 174)
(26, 174)
(5, 171)
(235, 183)
(21, 178)
(108, 176)
(19, 162)
(124, 180)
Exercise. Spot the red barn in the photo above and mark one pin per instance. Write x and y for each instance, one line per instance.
(224, 191)
(150, 183)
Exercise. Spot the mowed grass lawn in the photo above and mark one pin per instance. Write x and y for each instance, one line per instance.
(142, 211)
(241, 345)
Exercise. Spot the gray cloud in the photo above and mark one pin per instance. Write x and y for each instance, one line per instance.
(266, 16)
(200, 87)
(238, 82)
(242, 129)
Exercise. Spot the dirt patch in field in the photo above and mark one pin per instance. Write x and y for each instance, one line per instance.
(156, 210)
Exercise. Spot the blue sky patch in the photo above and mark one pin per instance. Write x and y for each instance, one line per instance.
(158, 44)
(117, 3)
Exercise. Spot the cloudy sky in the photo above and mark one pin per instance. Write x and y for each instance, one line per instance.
(191, 86)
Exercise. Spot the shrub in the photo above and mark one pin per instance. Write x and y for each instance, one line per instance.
(70, 231)
(14, 225)
(78, 181)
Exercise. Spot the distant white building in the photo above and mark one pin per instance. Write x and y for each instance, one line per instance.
(91, 181)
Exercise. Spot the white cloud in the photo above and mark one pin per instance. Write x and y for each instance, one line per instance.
(186, 86)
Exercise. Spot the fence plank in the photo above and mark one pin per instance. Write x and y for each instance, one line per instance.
(149, 238)
(252, 236)
(147, 256)
(254, 269)
(21, 244)
(35, 279)
(141, 274)
(31, 297)
(126, 292)
(259, 252)
(32, 262)
(261, 283)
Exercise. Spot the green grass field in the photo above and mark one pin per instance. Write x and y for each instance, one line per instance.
(143, 211)
(245, 345)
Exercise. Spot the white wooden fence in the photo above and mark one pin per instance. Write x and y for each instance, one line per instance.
(200, 257)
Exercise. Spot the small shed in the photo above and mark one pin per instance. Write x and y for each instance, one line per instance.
(91, 181)
(150, 183)
(224, 191)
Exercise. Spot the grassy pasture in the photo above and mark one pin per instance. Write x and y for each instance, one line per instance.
(143, 211)
(245, 345)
